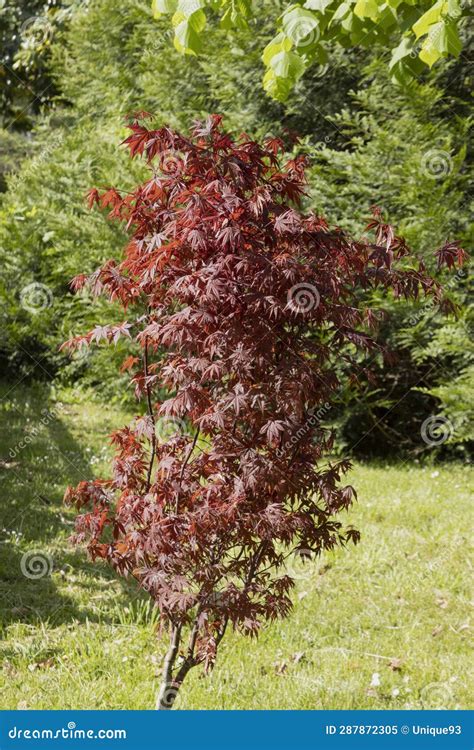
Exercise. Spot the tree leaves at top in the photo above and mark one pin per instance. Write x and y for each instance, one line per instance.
(419, 33)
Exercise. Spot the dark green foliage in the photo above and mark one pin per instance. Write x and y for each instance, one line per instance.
(28, 28)
(406, 153)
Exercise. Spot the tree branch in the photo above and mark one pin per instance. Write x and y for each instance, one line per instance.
(151, 414)
(185, 463)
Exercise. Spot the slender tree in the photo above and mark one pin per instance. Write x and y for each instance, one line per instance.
(240, 305)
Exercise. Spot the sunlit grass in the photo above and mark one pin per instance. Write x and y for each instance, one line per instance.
(385, 624)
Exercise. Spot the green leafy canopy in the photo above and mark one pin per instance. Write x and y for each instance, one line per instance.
(418, 33)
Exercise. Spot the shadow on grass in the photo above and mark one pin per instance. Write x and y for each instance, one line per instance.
(42, 579)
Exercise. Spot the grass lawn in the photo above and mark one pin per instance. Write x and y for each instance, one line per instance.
(386, 624)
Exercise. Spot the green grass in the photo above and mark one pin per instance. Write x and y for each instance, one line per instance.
(396, 606)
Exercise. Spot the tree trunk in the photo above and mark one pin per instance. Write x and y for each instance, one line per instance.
(170, 685)
(167, 693)
(169, 688)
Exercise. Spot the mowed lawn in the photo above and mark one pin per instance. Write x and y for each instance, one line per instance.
(386, 624)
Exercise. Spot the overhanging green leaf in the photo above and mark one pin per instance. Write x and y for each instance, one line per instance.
(432, 16)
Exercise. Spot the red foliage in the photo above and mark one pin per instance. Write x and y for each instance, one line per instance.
(242, 304)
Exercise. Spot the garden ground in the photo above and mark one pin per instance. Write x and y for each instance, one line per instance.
(382, 625)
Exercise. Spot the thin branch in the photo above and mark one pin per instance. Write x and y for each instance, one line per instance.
(185, 463)
(190, 660)
(151, 414)
(222, 632)
(254, 563)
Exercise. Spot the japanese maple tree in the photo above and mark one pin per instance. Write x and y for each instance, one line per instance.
(240, 305)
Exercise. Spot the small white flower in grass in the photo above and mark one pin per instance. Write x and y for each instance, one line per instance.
(375, 682)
